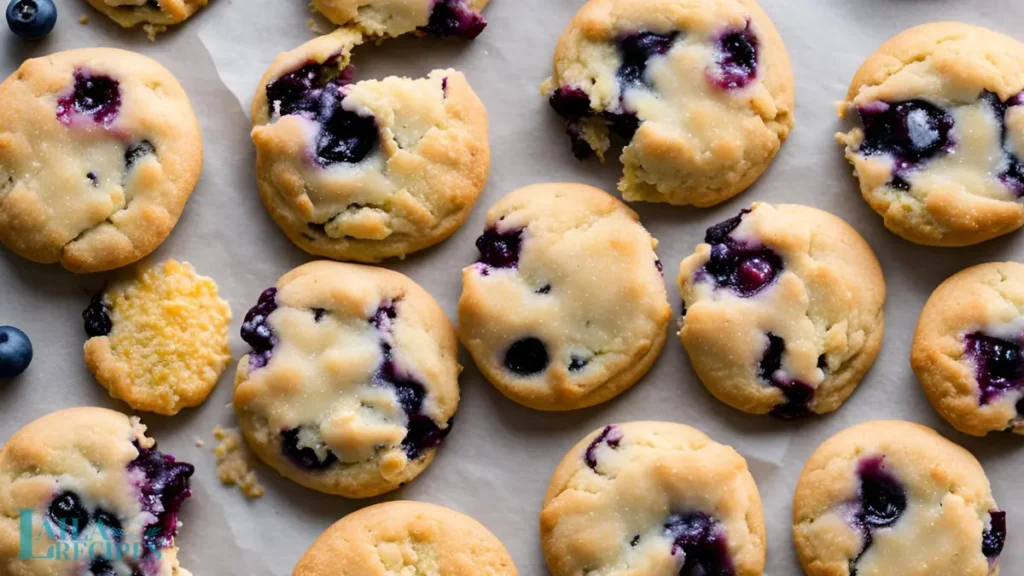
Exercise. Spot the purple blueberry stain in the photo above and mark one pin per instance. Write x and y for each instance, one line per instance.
(998, 365)
(162, 493)
(699, 545)
(736, 64)
(306, 457)
(500, 249)
(797, 395)
(911, 132)
(97, 317)
(452, 18)
(526, 357)
(610, 436)
(256, 330)
(881, 501)
(743, 267)
(994, 537)
(94, 96)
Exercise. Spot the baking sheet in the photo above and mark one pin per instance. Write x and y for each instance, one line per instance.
(496, 464)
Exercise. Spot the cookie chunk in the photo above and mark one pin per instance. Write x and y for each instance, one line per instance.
(652, 498)
(159, 340)
(156, 15)
(352, 381)
(783, 310)
(99, 151)
(566, 307)
(368, 170)
(892, 497)
(389, 18)
(968, 350)
(406, 538)
(88, 479)
(701, 90)
(939, 130)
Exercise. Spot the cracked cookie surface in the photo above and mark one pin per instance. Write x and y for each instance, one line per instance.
(159, 338)
(589, 300)
(406, 537)
(352, 382)
(968, 350)
(783, 310)
(367, 170)
(652, 498)
(390, 18)
(702, 90)
(939, 129)
(91, 477)
(155, 13)
(99, 151)
(892, 497)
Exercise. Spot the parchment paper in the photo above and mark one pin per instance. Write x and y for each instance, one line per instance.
(496, 464)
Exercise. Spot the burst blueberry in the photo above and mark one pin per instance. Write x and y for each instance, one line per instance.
(308, 457)
(911, 132)
(256, 330)
(998, 364)
(736, 64)
(527, 357)
(701, 542)
(881, 502)
(137, 152)
(67, 513)
(165, 489)
(611, 436)
(31, 19)
(570, 103)
(500, 249)
(994, 537)
(453, 18)
(96, 96)
(111, 529)
(742, 267)
(636, 50)
(15, 352)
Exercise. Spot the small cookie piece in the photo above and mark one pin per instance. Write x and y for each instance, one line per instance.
(370, 170)
(968, 350)
(652, 498)
(390, 18)
(157, 14)
(783, 310)
(352, 382)
(940, 128)
(233, 467)
(159, 340)
(99, 497)
(99, 151)
(701, 89)
(893, 497)
(589, 305)
(406, 537)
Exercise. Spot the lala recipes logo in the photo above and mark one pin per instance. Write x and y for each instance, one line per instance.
(67, 540)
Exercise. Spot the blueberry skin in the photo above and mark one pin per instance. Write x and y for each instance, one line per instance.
(15, 352)
(31, 19)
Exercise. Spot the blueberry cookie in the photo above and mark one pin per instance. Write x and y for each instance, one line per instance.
(702, 90)
(368, 170)
(589, 301)
(382, 18)
(156, 15)
(352, 381)
(652, 498)
(159, 339)
(97, 494)
(939, 129)
(968, 350)
(406, 538)
(783, 310)
(99, 151)
(892, 497)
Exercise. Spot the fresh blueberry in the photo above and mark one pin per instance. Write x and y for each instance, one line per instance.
(15, 352)
(256, 330)
(998, 364)
(636, 49)
(995, 536)
(500, 249)
(736, 65)
(111, 527)
(136, 152)
(527, 357)
(453, 18)
(97, 96)
(67, 512)
(165, 489)
(700, 541)
(611, 435)
(744, 268)
(31, 19)
(97, 317)
(307, 457)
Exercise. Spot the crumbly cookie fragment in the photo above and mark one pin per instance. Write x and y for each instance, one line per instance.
(154, 15)
(233, 464)
(390, 18)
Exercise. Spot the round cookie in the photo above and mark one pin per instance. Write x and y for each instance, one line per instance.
(99, 151)
(99, 497)
(406, 537)
(352, 382)
(159, 339)
(590, 306)
(390, 18)
(155, 14)
(939, 133)
(892, 497)
(968, 350)
(368, 170)
(783, 310)
(702, 90)
(652, 498)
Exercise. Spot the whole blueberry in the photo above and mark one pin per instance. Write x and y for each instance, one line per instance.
(31, 19)
(15, 352)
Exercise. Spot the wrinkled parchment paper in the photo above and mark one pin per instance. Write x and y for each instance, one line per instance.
(496, 464)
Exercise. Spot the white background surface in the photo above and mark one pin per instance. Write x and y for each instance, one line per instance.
(496, 464)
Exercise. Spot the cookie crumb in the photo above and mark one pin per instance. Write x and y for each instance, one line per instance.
(152, 30)
(233, 466)
(83, 19)
(199, 442)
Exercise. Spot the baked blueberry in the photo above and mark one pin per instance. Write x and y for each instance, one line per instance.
(453, 18)
(136, 152)
(500, 249)
(736, 63)
(15, 352)
(998, 364)
(882, 497)
(570, 103)
(67, 513)
(610, 436)
(527, 357)
(635, 50)
(165, 489)
(31, 19)
(94, 95)
(97, 317)
(256, 330)
(316, 457)
(994, 537)
(798, 396)
(700, 542)
(745, 268)
(109, 526)
(102, 567)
